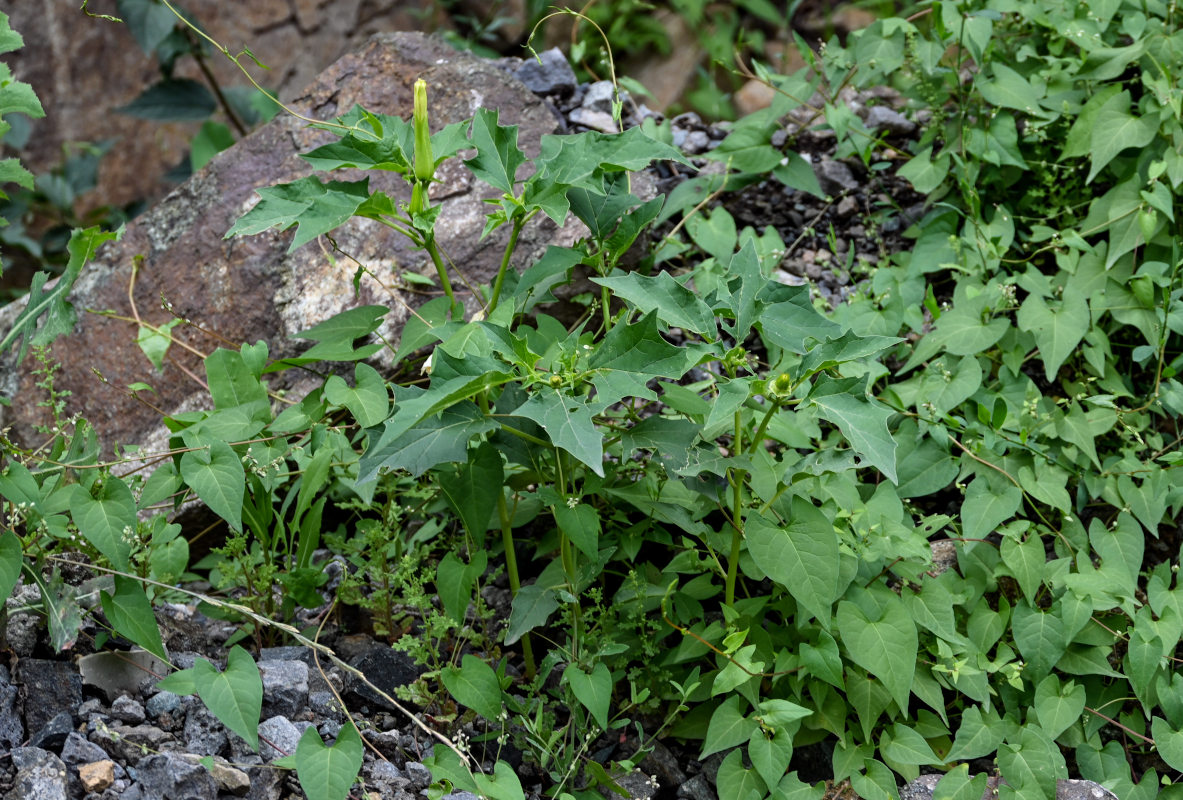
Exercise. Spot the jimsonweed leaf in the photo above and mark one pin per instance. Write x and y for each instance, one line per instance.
(577, 160)
(474, 488)
(674, 303)
(862, 420)
(801, 555)
(310, 205)
(569, 423)
(47, 314)
(498, 157)
(886, 646)
(338, 337)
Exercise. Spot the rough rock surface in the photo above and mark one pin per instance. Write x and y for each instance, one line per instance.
(82, 68)
(171, 777)
(923, 787)
(53, 687)
(12, 730)
(39, 774)
(248, 289)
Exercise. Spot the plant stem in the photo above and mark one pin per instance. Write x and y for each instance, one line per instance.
(511, 569)
(397, 226)
(434, 252)
(736, 536)
(773, 407)
(568, 556)
(736, 478)
(511, 557)
(510, 246)
(605, 302)
(523, 435)
(214, 86)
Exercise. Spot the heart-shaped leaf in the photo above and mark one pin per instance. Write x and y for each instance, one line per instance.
(327, 773)
(593, 690)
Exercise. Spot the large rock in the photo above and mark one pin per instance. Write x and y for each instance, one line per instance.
(48, 689)
(39, 774)
(251, 288)
(82, 68)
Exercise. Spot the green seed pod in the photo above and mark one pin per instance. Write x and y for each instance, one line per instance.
(782, 386)
(424, 163)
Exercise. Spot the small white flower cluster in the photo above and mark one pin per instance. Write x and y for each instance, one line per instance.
(252, 464)
(461, 742)
(129, 536)
(17, 514)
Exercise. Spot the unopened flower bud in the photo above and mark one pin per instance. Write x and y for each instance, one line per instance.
(424, 163)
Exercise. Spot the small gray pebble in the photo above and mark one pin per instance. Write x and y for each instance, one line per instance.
(91, 706)
(593, 118)
(889, 120)
(418, 775)
(847, 206)
(834, 176)
(78, 750)
(324, 704)
(278, 737)
(550, 73)
(162, 703)
(696, 142)
(127, 710)
(599, 96)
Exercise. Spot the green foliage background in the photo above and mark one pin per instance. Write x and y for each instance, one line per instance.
(718, 504)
